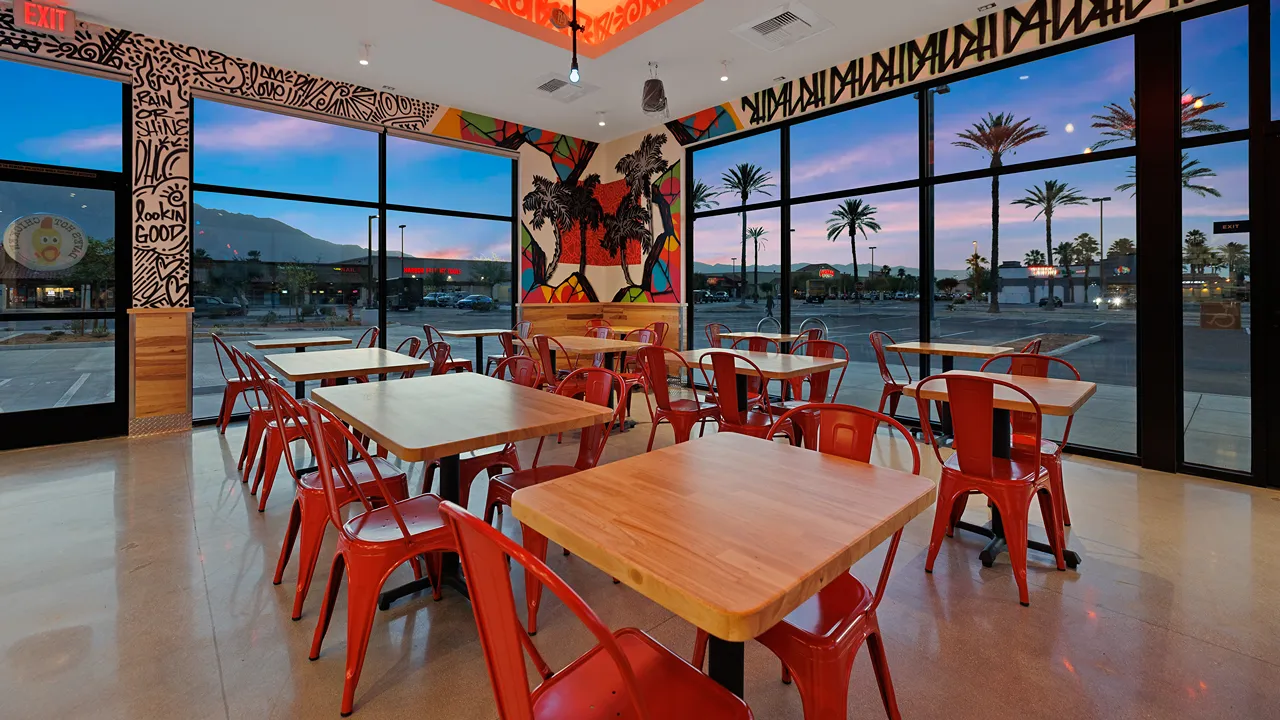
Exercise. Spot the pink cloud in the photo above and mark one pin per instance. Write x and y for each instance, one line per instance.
(882, 152)
(276, 132)
(88, 140)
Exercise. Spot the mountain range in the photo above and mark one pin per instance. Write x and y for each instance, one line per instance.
(223, 234)
(846, 268)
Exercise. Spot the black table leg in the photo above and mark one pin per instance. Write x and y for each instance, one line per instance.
(742, 391)
(1000, 447)
(300, 388)
(726, 663)
(450, 575)
(480, 354)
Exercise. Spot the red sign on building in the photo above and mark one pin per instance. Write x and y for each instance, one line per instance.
(42, 18)
(826, 273)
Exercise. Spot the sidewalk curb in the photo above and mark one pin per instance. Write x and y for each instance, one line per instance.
(1075, 345)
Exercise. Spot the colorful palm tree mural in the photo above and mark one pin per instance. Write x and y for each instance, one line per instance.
(629, 222)
(638, 169)
(549, 203)
(757, 239)
(852, 216)
(745, 180)
(1046, 198)
(996, 135)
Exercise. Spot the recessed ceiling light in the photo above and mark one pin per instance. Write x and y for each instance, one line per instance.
(780, 78)
(724, 67)
(988, 6)
(364, 54)
(600, 119)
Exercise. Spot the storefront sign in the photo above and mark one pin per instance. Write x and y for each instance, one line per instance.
(44, 242)
(1231, 226)
(826, 273)
(38, 17)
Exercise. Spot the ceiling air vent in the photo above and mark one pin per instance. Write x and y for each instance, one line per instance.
(554, 86)
(782, 27)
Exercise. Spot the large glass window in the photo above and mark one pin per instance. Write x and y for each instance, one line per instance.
(736, 289)
(86, 134)
(1215, 72)
(1075, 102)
(868, 146)
(750, 166)
(439, 176)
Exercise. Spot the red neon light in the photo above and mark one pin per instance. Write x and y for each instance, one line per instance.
(44, 18)
(826, 273)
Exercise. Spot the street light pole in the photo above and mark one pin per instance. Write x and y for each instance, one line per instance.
(733, 261)
(402, 227)
(368, 300)
(1102, 252)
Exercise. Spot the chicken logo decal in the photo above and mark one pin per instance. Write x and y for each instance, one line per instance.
(44, 242)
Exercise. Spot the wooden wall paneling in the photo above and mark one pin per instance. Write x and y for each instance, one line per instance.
(160, 370)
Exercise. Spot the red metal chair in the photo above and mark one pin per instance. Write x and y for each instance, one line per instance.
(598, 323)
(551, 372)
(522, 329)
(627, 673)
(442, 361)
(726, 366)
(892, 386)
(599, 332)
(819, 383)
(714, 331)
(521, 370)
(754, 343)
(236, 386)
(806, 336)
(660, 329)
(409, 346)
(631, 373)
(682, 413)
(433, 335)
(1032, 347)
(260, 414)
(274, 436)
(597, 385)
(1035, 365)
(370, 546)
(368, 339)
(508, 342)
(309, 517)
(818, 642)
(1009, 483)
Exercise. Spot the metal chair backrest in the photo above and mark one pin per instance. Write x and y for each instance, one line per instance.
(484, 552)
(600, 332)
(409, 346)
(289, 413)
(369, 339)
(257, 385)
(596, 386)
(441, 353)
(714, 331)
(727, 365)
(879, 339)
(755, 343)
(598, 323)
(849, 432)
(519, 369)
(433, 335)
(819, 325)
(543, 344)
(654, 361)
(777, 324)
(645, 335)
(808, 335)
(819, 382)
(508, 342)
(972, 400)
(523, 328)
(330, 439)
(660, 329)
(1032, 347)
(221, 348)
(1031, 365)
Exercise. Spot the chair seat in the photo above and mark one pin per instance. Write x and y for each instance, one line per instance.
(359, 471)
(687, 406)
(836, 608)
(1047, 447)
(755, 418)
(1018, 469)
(421, 515)
(591, 687)
(533, 476)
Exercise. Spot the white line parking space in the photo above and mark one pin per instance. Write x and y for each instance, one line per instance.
(1037, 323)
(1097, 326)
(71, 391)
(966, 332)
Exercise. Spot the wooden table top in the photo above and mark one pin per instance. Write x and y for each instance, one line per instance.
(589, 345)
(472, 411)
(952, 349)
(281, 343)
(729, 532)
(300, 367)
(1056, 397)
(775, 336)
(774, 366)
(487, 332)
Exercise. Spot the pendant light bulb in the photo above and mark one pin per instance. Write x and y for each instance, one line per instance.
(724, 76)
(364, 54)
(574, 75)
(600, 118)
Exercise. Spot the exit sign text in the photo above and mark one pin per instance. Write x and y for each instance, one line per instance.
(42, 18)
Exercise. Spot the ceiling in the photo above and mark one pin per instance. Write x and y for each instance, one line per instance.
(434, 52)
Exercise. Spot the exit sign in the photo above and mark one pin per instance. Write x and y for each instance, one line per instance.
(43, 18)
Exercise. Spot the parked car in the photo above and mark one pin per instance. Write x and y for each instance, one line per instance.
(476, 302)
(1057, 301)
(721, 296)
(431, 299)
(702, 296)
(213, 307)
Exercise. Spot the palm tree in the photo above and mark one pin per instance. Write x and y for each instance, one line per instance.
(745, 179)
(623, 226)
(1123, 246)
(757, 238)
(1196, 252)
(1066, 254)
(585, 210)
(1236, 257)
(1120, 123)
(975, 263)
(852, 216)
(1191, 172)
(1048, 197)
(704, 196)
(1033, 257)
(638, 170)
(1086, 248)
(549, 202)
(996, 135)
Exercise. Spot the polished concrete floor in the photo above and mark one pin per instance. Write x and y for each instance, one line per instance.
(135, 583)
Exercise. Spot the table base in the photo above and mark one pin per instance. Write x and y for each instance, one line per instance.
(726, 663)
(451, 571)
(998, 544)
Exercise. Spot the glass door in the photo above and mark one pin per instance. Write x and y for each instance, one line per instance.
(63, 294)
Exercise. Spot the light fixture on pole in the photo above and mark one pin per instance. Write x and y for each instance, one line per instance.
(1102, 251)
(724, 75)
(402, 227)
(600, 118)
(873, 258)
(364, 54)
(369, 267)
(561, 21)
